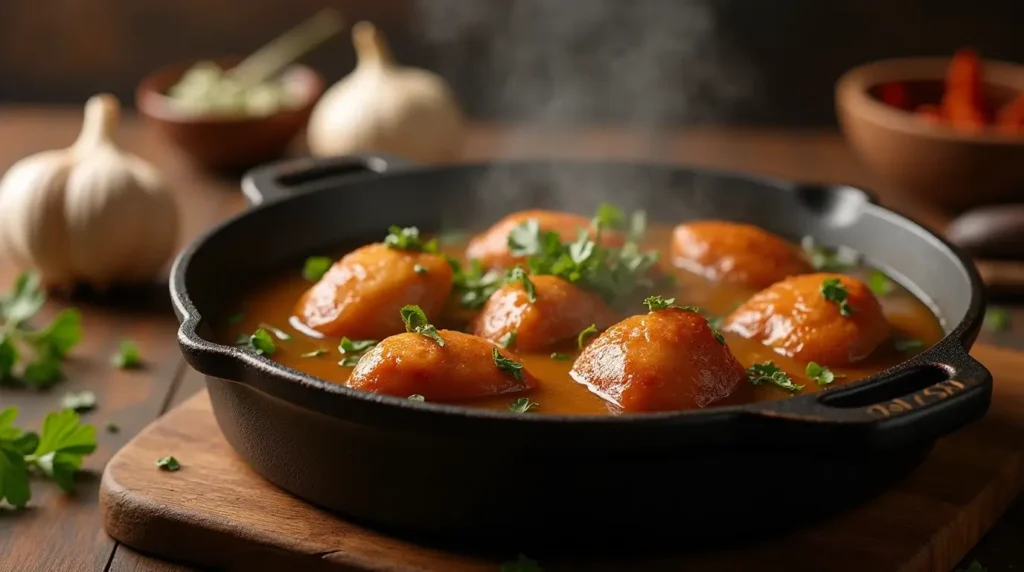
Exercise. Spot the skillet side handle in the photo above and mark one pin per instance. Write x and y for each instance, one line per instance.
(925, 413)
(281, 179)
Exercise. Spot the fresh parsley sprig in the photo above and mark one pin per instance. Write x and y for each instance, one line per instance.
(833, 290)
(768, 372)
(522, 405)
(56, 452)
(472, 285)
(33, 357)
(656, 303)
(511, 367)
(416, 321)
(408, 238)
(353, 350)
(820, 374)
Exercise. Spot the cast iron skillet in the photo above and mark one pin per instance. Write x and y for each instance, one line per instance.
(528, 480)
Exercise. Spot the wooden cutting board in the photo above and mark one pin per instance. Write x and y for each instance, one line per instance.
(217, 512)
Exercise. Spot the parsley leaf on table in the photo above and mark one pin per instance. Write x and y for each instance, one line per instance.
(127, 356)
(997, 320)
(39, 352)
(416, 322)
(63, 443)
(168, 464)
(768, 372)
(14, 446)
(80, 401)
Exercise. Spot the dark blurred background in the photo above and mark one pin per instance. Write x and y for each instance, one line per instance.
(640, 61)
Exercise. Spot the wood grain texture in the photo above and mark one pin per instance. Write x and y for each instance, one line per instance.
(217, 512)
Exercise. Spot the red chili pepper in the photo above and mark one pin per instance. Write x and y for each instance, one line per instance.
(963, 104)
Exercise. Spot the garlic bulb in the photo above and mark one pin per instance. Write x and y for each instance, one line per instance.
(90, 213)
(384, 107)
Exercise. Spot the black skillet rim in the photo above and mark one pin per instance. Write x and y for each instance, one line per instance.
(952, 345)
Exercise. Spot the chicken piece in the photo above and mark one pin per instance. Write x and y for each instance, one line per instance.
(465, 367)
(362, 294)
(665, 360)
(559, 312)
(736, 253)
(491, 247)
(830, 319)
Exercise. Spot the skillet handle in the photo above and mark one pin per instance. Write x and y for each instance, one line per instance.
(920, 405)
(282, 179)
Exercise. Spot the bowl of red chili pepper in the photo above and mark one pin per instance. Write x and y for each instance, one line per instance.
(949, 132)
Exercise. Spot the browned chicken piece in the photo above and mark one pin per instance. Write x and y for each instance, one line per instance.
(491, 247)
(736, 253)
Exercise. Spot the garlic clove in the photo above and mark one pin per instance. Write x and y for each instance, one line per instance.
(385, 107)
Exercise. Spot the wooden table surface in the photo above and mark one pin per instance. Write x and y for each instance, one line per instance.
(60, 533)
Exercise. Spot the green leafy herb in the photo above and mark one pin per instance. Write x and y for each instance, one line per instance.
(261, 343)
(417, 397)
(80, 401)
(350, 361)
(278, 333)
(832, 290)
(560, 357)
(522, 564)
(819, 373)
(236, 318)
(587, 333)
(768, 372)
(348, 346)
(416, 321)
(127, 355)
(715, 322)
(656, 303)
(419, 269)
(997, 320)
(522, 405)
(408, 238)
(315, 267)
(113, 427)
(314, 353)
(880, 284)
(907, 345)
(718, 336)
(612, 273)
(519, 275)
(28, 356)
(168, 464)
(472, 285)
(508, 341)
(830, 260)
(513, 368)
(57, 452)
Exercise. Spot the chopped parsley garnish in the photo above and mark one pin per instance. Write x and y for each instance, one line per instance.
(278, 333)
(718, 336)
(907, 344)
(612, 273)
(80, 401)
(997, 320)
(29, 356)
(417, 397)
(833, 290)
(880, 284)
(508, 341)
(522, 405)
(259, 342)
(127, 355)
(416, 322)
(820, 374)
(315, 267)
(472, 285)
(419, 269)
(521, 564)
(511, 367)
(829, 260)
(655, 303)
(587, 333)
(715, 322)
(353, 350)
(314, 353)
(768, 372)
(408, 238)
(560, 357)
(168, 464)
(519, 275)
(56, 452)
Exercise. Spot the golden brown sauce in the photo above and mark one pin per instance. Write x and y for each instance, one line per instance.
(274, 304)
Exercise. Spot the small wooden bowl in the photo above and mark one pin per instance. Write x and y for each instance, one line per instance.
(932, 162)
(227, 143)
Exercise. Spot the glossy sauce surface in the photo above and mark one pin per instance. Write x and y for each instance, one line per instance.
(273, 303)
